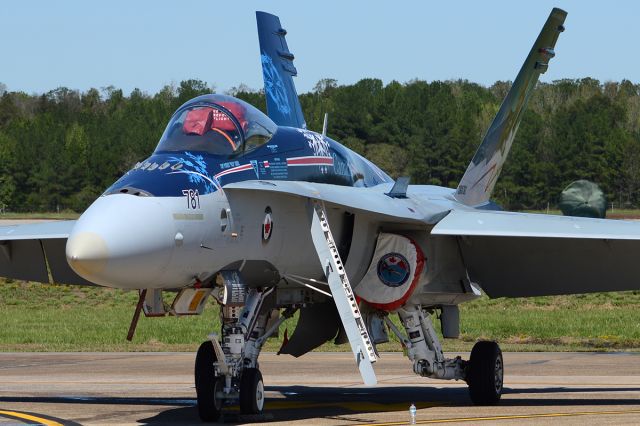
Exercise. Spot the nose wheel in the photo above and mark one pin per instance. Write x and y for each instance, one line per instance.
(208, 385)
(485, 373)
(251, 392)
(227, 365)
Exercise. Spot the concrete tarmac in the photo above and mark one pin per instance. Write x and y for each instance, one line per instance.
(319, 388)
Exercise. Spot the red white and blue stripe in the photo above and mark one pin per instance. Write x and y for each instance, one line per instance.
(236, 169)
(309, 161)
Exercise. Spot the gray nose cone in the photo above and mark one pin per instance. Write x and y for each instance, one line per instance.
(87, 254)
(122, 241)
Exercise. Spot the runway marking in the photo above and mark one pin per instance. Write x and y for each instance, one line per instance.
(512, 417)
(29, 417)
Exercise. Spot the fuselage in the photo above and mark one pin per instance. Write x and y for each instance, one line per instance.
(167, 223)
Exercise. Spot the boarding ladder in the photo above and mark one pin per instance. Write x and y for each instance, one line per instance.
(342, 293)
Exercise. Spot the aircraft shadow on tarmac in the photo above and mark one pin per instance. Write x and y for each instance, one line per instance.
(301, 402)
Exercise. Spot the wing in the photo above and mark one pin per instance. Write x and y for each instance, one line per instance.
(372, 201)
(36, 252)
(278, 71)
(519, 255)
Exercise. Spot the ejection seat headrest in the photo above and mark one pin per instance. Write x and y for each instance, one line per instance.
(198, 121)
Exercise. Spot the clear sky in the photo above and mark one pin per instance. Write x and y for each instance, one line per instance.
(147, 44)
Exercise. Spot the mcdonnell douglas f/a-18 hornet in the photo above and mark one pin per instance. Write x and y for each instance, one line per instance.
(270, 218)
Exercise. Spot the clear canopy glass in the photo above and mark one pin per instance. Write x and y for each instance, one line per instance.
(216, 124)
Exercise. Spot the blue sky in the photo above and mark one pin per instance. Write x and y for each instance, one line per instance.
(147, 44)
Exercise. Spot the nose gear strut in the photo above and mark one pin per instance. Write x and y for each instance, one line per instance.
(227, 366)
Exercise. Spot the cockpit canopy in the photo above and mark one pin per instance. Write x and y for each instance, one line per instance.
(216, 124)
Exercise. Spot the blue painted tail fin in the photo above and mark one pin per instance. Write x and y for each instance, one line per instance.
(278, 71)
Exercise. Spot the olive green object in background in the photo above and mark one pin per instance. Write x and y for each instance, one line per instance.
(583, 198)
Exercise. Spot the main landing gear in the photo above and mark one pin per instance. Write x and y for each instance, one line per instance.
(484, 372)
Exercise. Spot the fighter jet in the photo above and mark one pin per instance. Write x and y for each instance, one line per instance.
(270, 218)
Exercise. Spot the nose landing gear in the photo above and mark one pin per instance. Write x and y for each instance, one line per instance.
(251, 392)
(208, 385)
(226, 369)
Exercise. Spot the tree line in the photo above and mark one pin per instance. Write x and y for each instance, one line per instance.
(59, 150)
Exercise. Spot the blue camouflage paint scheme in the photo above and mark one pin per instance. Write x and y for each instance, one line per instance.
(198, 170)
(274, 86)
(278, 70)
(195, 167)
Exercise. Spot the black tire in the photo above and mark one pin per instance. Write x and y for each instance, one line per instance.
(251, 392)
(207, 384)
(485, 373)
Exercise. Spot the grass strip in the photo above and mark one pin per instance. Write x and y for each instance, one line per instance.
(39, 317)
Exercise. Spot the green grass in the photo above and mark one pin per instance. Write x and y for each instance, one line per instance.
(38, 317)
(43, 215)
(602, 321)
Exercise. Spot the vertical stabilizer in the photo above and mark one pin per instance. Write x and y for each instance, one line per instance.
(278, 71)
(480, 178)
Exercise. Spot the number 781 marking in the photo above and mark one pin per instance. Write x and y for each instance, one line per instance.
(193, 198)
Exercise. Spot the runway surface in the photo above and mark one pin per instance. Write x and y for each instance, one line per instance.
(319, 388)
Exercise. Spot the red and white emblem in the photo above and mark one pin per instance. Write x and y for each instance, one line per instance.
(267, 226)
(394, 273)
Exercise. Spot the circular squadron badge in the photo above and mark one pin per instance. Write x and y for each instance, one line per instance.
(393, 269)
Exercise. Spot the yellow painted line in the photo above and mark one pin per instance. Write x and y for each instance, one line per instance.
(512, 417)
(30, 418)
(100, 382)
